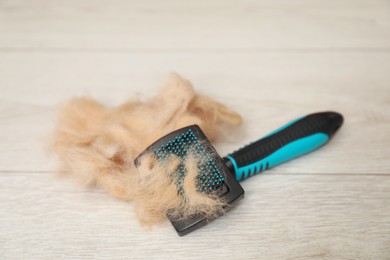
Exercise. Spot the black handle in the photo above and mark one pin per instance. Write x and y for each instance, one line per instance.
(298, 137)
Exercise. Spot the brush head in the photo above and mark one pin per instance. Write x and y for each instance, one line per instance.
(213, 175)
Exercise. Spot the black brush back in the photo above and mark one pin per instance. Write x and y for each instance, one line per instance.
(213, 175)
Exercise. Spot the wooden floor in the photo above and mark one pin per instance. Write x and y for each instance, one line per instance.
(272, 61)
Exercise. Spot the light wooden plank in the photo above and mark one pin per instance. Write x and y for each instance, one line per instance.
(267, 89)
(358, 148)
(282, 217)
(115, 77)
(206, 25)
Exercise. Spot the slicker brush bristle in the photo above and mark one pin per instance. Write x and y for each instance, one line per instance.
(209, 178)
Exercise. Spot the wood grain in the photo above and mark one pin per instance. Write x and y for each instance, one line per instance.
(282, 217)
(174, 25)
(272, 61)
(267, 89)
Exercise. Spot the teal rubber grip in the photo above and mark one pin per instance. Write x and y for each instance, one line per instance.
(294, 139)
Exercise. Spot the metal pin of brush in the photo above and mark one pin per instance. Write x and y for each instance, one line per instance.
(222, 175)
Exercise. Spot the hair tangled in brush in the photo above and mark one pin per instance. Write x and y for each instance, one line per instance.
(157, 196)
(98, 144)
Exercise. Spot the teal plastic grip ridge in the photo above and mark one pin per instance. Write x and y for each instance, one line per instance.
(272, 133)
(289, 151)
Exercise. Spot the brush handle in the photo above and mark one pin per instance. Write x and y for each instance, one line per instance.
(294, 139)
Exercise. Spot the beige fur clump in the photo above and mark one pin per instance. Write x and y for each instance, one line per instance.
(98, 145)
(156, 195)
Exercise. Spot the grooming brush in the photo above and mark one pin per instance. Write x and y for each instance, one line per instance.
(221, 175)
(213, 176)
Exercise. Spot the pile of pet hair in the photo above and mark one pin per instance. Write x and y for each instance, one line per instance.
(98, 144)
